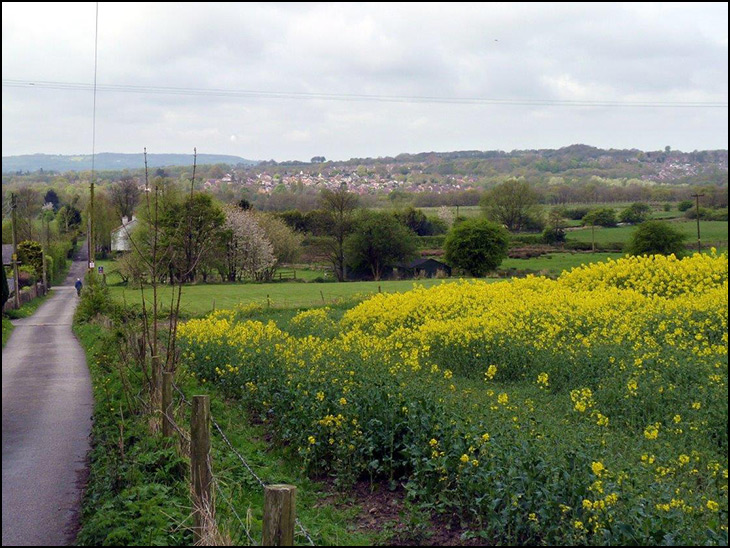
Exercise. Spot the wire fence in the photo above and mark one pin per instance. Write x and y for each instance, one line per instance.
(186, 438)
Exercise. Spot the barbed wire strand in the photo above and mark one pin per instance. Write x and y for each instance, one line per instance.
(244, 462)
(229, 501)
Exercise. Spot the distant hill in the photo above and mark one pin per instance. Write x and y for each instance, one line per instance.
(111, 161)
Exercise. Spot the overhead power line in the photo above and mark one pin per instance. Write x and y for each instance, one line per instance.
(259, 94)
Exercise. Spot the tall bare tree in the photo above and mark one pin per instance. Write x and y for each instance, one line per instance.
(28, 205)
(511, 204)
(339, 206)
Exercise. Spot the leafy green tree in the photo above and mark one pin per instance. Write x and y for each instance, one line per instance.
(190, 228)
(286, 243)
(418, 222)
(599, 217)
(656, 238)
(512, 204)
(554, 232)
(69, 218)
(604, 216)
(477, 246)
(379, 241)
(636, 213)
(30, 253)
(51, 197)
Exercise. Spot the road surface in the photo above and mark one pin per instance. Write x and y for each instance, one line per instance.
(47, 407)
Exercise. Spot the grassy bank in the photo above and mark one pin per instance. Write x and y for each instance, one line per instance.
(23, 312)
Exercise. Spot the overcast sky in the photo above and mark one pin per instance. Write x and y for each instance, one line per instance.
(517, 64)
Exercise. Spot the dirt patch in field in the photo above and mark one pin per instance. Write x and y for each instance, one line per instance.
(386, 512)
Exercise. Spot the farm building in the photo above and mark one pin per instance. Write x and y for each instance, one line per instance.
(120, 235)
(426, 268)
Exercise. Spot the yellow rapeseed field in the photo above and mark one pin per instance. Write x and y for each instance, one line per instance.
(587, 409)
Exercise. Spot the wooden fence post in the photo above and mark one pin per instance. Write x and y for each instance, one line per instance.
(279, 515)
(167, 429)
(201, 472)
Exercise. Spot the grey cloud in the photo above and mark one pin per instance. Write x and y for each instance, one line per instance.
(653, 52)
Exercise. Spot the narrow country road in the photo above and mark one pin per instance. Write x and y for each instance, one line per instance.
(47, 407)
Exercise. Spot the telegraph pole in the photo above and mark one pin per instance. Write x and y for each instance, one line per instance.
(44, 249)
(90, 244)
(697, 210)
(16, 281)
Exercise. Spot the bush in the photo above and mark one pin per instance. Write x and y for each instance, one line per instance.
(707, 214)
(26, 276)
(656, 238)
(477, 246)
(575, 213)
(95, 298)
(635, 213)
(684, 205)
(552, 236)
(667, 207)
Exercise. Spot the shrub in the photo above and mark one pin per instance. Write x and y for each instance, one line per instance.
(95, 298)
(707, 214)
(575, 213)
(554, 235)
(635, 213)
(656, 238)
(26, 276)
(477, 246)
(684, 205)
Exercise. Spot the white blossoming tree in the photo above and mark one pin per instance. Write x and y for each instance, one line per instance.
(248, 252)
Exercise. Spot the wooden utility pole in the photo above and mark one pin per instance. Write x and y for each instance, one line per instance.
(16, 281)
(44, 251)
(697, 211)
(90, 245)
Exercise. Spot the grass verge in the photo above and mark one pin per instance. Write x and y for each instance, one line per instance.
(23, 312)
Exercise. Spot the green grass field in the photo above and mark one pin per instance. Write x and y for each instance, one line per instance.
(555, 263)
(201, 299)
(711, 232)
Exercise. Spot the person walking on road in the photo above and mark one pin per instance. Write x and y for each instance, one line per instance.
(78, 285)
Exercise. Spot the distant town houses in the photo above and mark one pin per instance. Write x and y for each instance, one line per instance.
(263, 182)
